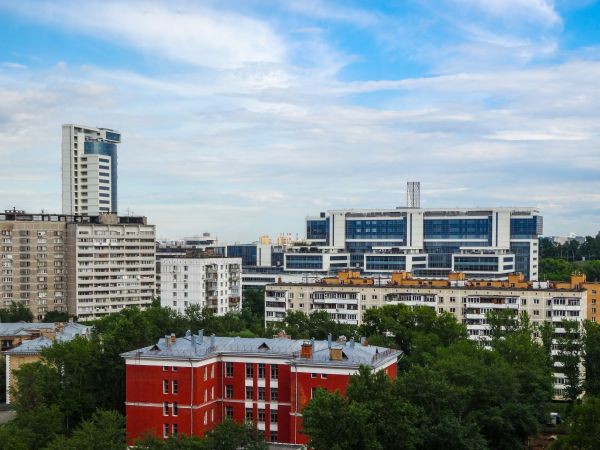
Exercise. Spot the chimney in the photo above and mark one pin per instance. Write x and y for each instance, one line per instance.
(364, 342)
(352, 343)
(193, 342)
(306, 351)
(173, 338)
(212, 340)
(201, 337)
(329, 338)
(167, 340)
(335, 354)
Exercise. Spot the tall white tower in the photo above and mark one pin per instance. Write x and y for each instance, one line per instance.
(89, 170)
(413, 194)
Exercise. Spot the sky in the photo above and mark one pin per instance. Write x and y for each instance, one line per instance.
(241, 118)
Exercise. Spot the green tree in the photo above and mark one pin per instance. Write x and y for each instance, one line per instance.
(105, 430)
(591, 358)
(56, 316)
(570, 349)
(39, 425)
(555, 269)
(583, 427)
(11, 438)
(16, 312)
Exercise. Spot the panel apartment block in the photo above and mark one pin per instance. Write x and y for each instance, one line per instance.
(214, 283)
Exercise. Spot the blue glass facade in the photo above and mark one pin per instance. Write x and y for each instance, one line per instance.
(304, 261)
(528, 228)
(358, 249)
(106, 149)
(522, 257)
(440, 253)
(476, 264)
(246, 252)
(317, 229)
(385, 262)
(458, 229)
(376, 229)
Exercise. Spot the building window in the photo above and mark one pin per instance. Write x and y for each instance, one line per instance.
(249, 392)
(273, 436)
(274, 372)
(166, 430)
(212, 371)
(249, 415)
(165, 409)
(262, 393)
(175, 429)
(165, 368)
(175, 369)
(273, 416)
(261, 415)
(229, 391)
(261, 370)
(228, 369)
(175, 409)
(229, 412)
(175, 386)
(205, 417)
(313, 392)
(205, 373)
(249, 371)
(274, 394)
(313, 375)
(165, 386)
(324, 375)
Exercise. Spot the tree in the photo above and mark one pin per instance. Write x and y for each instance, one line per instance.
(591, 358)
(583, 427)
(104, 431)
(569, 354)
(11, 439)
(56, 316)
(16, 312)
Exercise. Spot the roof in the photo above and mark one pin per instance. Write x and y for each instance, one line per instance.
(35, 346)
(354, 354)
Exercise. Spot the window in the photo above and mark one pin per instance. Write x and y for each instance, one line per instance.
(166, 430)
(249, 371)
(261, 415)
(165, 386)
(261, 370)
(274, 394)
(228, 369)
(212, 371)
(175, 429)
(324, 375)
(175, 386)
(249, 392)
(313, 375)
(165, 368)
(205, 417)
(229, 391)
(274, 372)
(175, 409)
(174, 369)
(249, 415)
(212, 392)
(205, 373)
(262, 393)
(313, 392)
(273, 436)
(165, 409)
(274, 416)
(229, 412)
(205, 395)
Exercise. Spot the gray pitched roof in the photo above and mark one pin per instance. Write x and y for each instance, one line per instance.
(184, 348)
(34, 346)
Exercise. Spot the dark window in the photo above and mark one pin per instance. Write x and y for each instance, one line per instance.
(273, 416)
(175, 409)
(175, 386)
(249, 414)
(228, 369)
(249, 371)
(165, 386)
(229, 391)
(274, 372)
(262, 393)
(229, 412)
(261, 415)
(261, 370)
(274, 394)
(249, 392)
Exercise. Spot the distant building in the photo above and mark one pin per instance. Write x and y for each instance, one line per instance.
(191, 384)
(89, 170)
(22, 343)
(265, 240)
(253, 255)
(214, 283)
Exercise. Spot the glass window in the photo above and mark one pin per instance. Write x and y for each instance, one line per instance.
(249, 414)
(175, 386)
(261, 393)
(249, 392)
(228, 369)
(261, 370)
(229, 412)
(229, 391)
(274, 416)
(274, 394)
(274, 372)
(249, 370)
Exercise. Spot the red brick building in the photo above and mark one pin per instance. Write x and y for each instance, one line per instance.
(189, 385)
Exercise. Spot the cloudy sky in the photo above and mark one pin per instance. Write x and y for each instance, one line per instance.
(242, 117)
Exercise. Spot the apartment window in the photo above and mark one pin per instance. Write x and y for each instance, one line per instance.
(593, 310)
(165, 409)
(249, 392)
(523, 301)
(175, 409)
(313, 375)
(274, 372)
(274, 394)
(452, 299)
(262, 393)
(273, 436)
(229, 391)
(175, 429)
(261, 415)
(536, 301)
(175, 386)
(249, 415)
(249, 371)
(301, 305)
(536, 312)
(593, 301)
(324, 375)
(261, 370)
(165, 386)
(166, 430)
(452, 310)
(228, 369)
(274, 416)
(229, 412)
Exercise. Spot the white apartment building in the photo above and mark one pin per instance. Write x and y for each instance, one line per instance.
(89, 170)
(111, 265)
(214, 283)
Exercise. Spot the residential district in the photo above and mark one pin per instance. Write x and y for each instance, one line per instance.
(67, 277)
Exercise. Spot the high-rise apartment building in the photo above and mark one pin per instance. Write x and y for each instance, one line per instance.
(481, 242)
(89, 170)
(214, 283)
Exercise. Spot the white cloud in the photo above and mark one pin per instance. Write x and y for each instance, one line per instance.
(528, 10)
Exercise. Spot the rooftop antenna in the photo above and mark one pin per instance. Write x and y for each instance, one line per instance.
(413, 194)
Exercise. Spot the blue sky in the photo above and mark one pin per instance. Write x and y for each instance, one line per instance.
(240, 118)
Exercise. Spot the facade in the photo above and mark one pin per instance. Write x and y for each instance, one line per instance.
(214, 283)
(33, 260)
(252, 255)
(310, 260)
(89, 170)
(22, 343)
(431, 241)
(111, 265)
(191, 384)
(593, 301)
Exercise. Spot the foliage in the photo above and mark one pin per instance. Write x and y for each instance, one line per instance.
(104, 431)
(56, 316)
(569, 356)
(560, 270)
(16, 312)
(591, 358)
(571, 250)
(316, 325)
(583, 427)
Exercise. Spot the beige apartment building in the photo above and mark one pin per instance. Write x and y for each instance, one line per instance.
(88, 266)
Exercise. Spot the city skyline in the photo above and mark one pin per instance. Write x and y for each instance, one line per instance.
(265, 114)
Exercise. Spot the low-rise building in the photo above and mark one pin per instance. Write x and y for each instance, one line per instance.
(214, 283)
(22, 343)
(191, 384)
